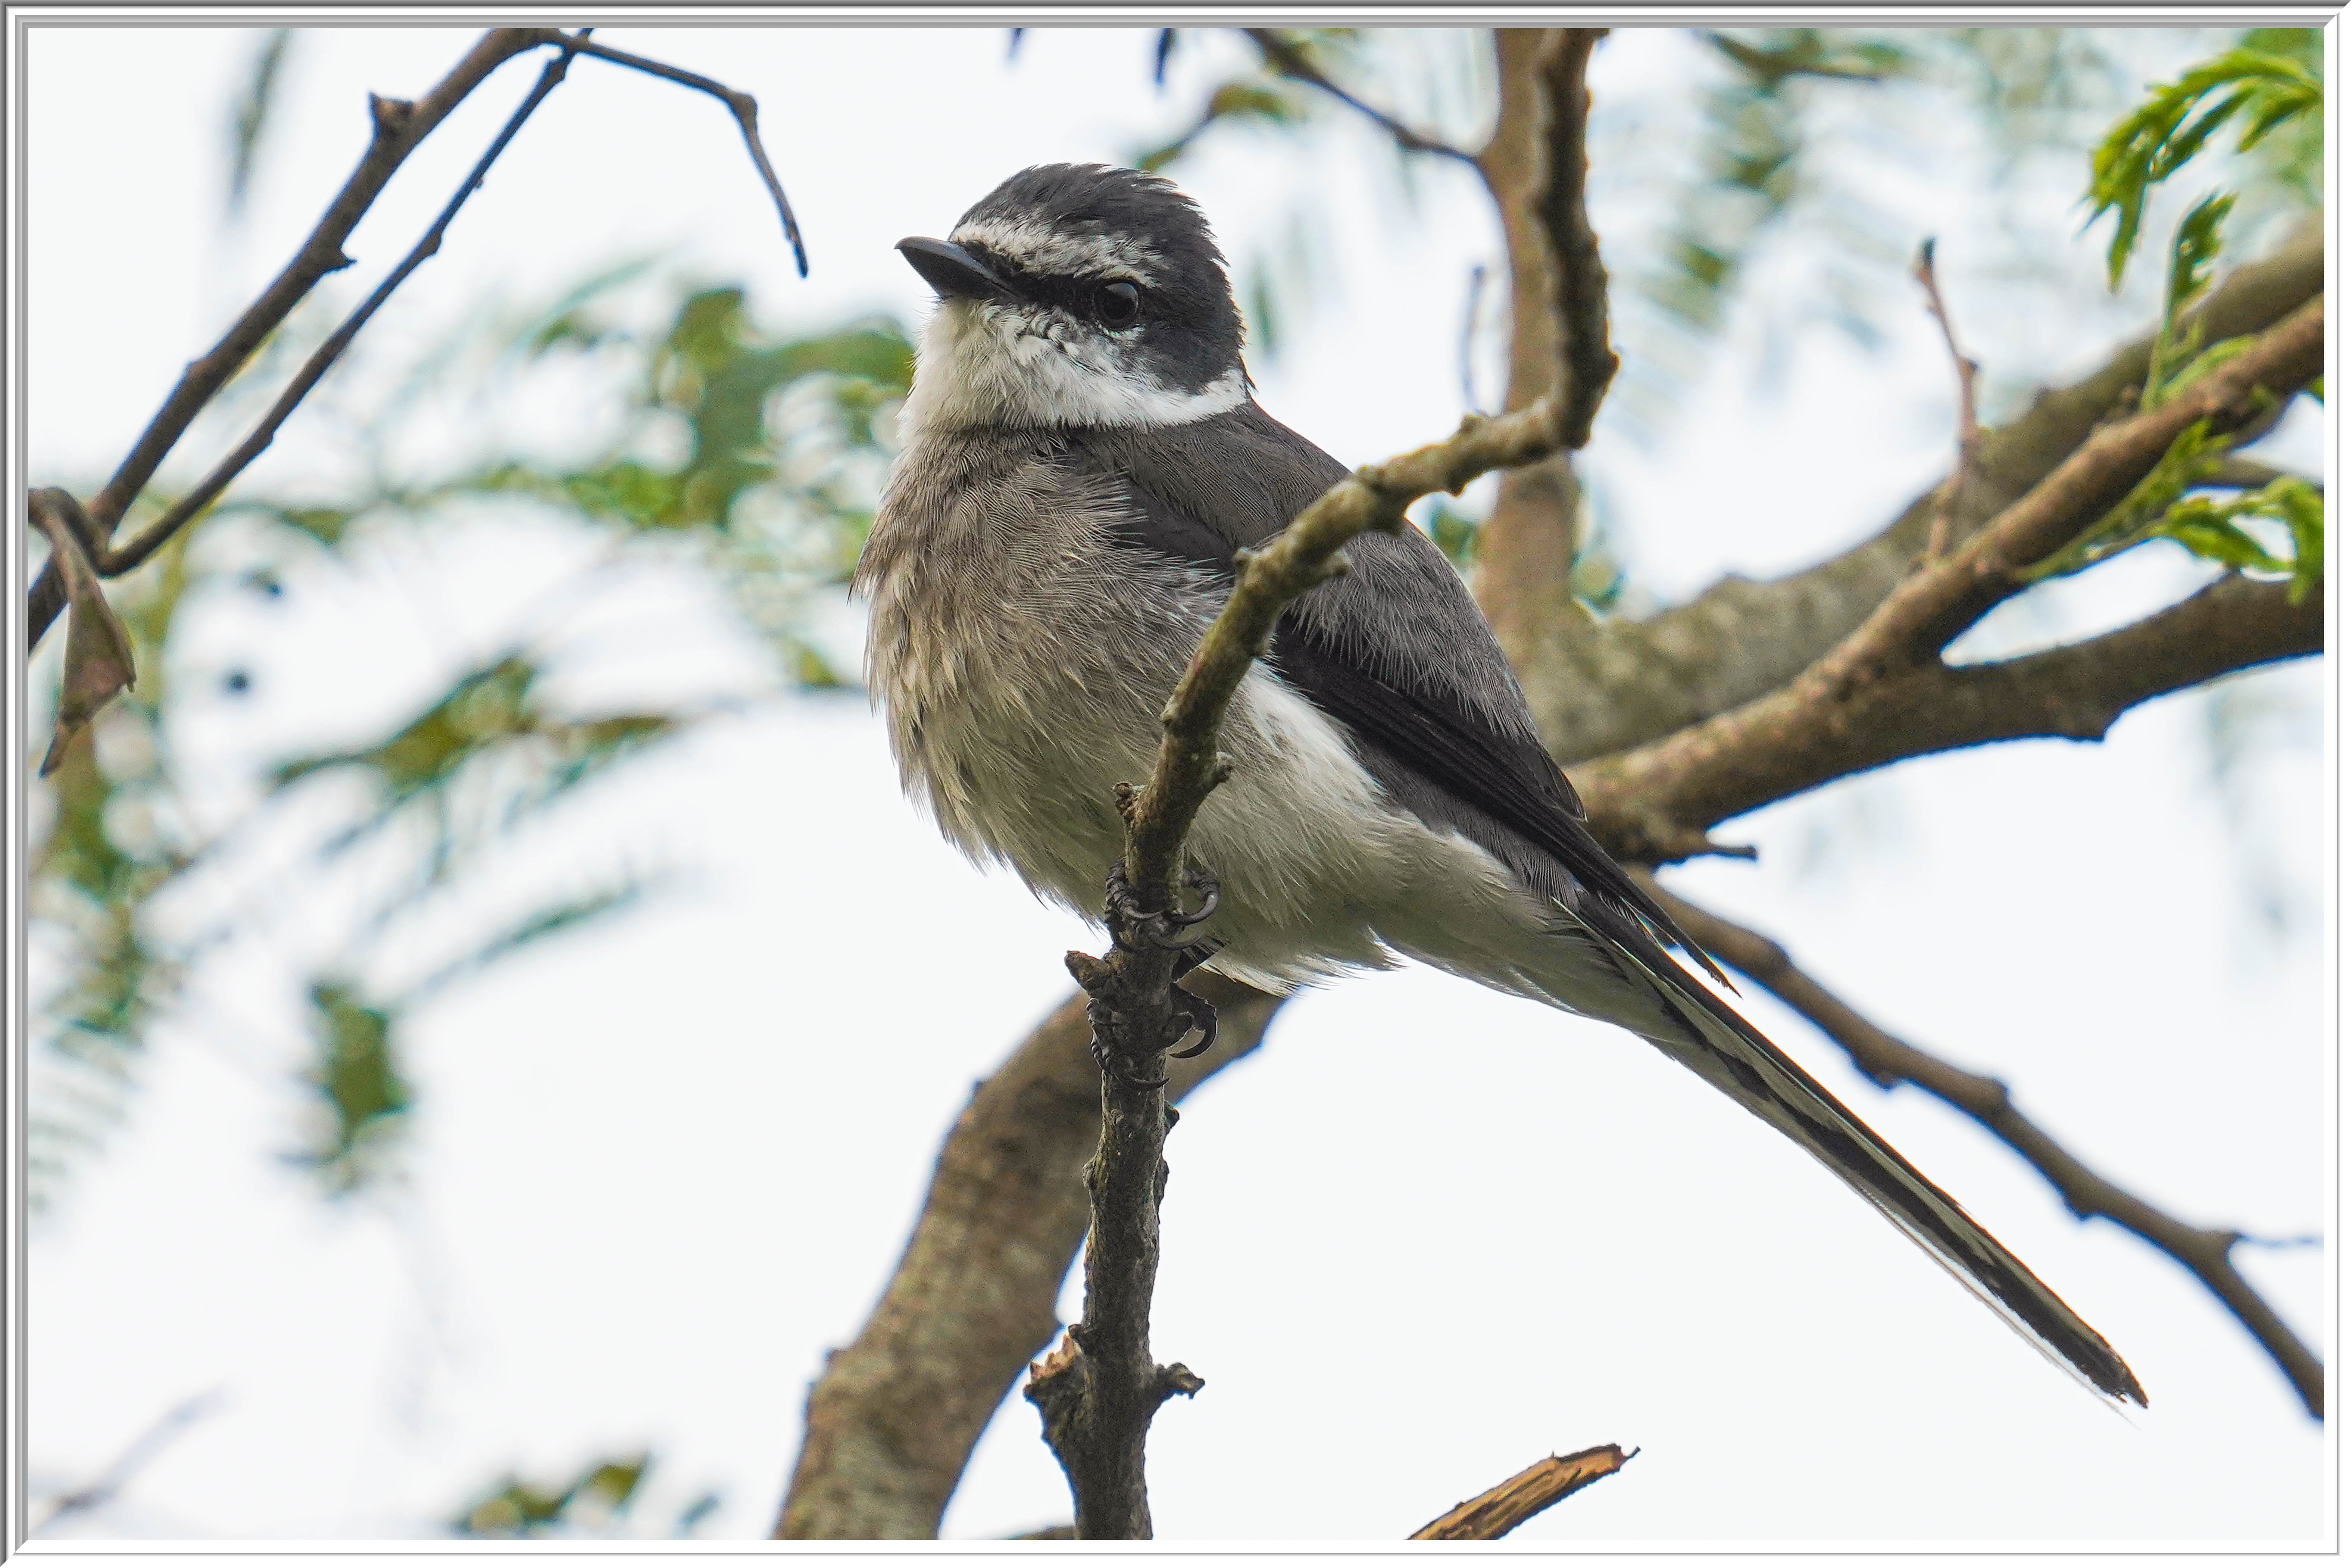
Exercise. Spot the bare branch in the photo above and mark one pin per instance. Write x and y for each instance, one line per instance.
(1579, 284)
(400, 126)
(1944, 600)
(1889, 1061)
(1869, 700)
(1601, 687)
(323, 358)
(1534, 167)
(1497, 1511)
(1656, 804)
(742, 105)
(893, 1418)
(1286, 58)
(1964, 371)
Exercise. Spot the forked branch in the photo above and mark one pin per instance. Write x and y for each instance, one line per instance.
(400, 126)
(1656, 802)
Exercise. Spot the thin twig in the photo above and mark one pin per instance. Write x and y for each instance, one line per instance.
(2236, 473)
(1470, 338)
(1288, 58)
(323, 358)
(1920, 618)
(1099, 1390)
(1499, 1510)
(96, 1494)
(1888, 1061)
(742, 105)
(394, 138)
(1964, 371)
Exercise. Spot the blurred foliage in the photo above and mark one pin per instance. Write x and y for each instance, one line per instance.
(489, 717)
(761, 453)
(359, 1083)
(2248, 719)
(782, 464)
(597, 1502)
(114, 839)
(1596, 578)
(1750, 162)
(254, 106)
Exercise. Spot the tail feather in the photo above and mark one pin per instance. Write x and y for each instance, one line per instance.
(1700, 1030)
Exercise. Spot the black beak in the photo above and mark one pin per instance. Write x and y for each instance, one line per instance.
(953, 272)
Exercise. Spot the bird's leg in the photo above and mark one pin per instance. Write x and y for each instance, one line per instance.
(1138, 930)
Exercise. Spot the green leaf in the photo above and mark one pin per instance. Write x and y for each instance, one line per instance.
(2152, 142)
(550, 920)
(2186, 462)
(2211, 529)
(2195, 245)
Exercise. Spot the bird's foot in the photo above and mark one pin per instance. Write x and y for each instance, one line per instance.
(1138, 930)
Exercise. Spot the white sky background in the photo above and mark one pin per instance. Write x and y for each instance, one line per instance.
(1427, 1234)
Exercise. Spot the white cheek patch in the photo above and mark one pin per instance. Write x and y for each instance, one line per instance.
(1034, 247)
(987, 362)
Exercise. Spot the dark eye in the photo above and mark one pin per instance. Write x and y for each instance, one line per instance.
(1118, 304)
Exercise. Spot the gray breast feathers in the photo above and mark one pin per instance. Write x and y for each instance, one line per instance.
(1022, 653)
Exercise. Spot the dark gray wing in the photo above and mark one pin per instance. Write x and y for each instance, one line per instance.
(1395, 652)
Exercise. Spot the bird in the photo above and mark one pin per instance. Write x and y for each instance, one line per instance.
(1080, 455)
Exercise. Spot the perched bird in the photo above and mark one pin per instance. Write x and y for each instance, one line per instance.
(1081, 454)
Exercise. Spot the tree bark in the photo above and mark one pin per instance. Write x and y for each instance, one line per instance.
(893, 1417)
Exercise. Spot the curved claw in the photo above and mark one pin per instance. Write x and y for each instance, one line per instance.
(1205, 1018)
(1164, 928)
(1208, 906)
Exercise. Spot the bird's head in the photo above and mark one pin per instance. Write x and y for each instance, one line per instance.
(1077, 295)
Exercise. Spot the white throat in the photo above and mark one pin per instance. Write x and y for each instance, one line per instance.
(990, 362)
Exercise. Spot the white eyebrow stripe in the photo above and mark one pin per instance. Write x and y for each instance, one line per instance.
(1035, 247)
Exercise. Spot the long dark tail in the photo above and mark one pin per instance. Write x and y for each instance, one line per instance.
(1701, 1031)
